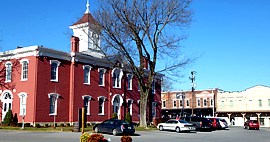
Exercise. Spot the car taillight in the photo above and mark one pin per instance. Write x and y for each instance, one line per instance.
(201, 124)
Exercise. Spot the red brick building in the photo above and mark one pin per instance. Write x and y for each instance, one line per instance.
(47, 85)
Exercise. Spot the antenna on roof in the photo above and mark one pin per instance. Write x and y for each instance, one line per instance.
(87, 7)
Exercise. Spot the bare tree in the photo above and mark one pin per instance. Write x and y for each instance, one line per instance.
(140, 29)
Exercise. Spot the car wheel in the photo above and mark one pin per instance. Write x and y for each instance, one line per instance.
(244, 127)
(248, 127)
(160, 128)
(177, 129)
(114, 131)
(96, 129)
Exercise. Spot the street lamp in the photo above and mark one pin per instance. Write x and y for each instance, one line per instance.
(183, 103)
(193, 85)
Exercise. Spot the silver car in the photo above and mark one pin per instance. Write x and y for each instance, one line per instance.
(176, 125)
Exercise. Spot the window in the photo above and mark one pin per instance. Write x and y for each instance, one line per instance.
(86, 103)
(154, 110)
(187, 103)
(95, 38)
(231, 103)
(86, 74)
(101, 76)
(181, 102)
(8, 66)
(211, 102)
(174, 103)
(53, 103)
(129, 105)
(24, 73)
(198, 102)
(129, 81)
(22, 97)
(163, 104)
(139, 108)
(117, 76)
(153, 87)
(260, 103)
(101, 100)
(54, 70)
(204, 102)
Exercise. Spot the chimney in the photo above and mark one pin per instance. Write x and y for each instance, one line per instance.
(145, 62)
(75, 44)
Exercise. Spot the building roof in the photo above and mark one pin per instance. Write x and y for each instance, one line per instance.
(87, 17)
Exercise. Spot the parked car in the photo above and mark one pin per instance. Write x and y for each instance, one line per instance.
(115, 127)
(223, 123)
(252, 124)
(215, 123)
(176, 125)
(200, 123)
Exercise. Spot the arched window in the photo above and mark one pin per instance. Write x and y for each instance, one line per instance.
(23, 98)
(101, 100)
(54, 70)
(8, 66)
(101, 76)
(117, 77)
(53, 103)
(86, 103)
(86, 70)
(24, 71)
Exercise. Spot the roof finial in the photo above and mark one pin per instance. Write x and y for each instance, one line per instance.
(87, 7)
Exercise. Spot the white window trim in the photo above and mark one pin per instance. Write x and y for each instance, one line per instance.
(162, 103)
(103, 79)
(6, 65)
(24, 96)
(180, 103)
(89, 74)
(205, 100)
(22, 63)
(56, 101)
(129, 81)
(211, 102)
(187, 104)
(120, 77)
(88, 107)
(103, 108)
(57, 69)
(130, 105)
(174, 100)
(198, 100)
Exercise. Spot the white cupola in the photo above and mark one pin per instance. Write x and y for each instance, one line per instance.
(88, 31)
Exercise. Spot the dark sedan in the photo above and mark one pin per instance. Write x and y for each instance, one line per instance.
(115, 127)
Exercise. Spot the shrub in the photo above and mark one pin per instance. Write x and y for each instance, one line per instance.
(15, 120)
(8, 118)
(128, 118)
(126, 139)
(86, 137)
(114, 116)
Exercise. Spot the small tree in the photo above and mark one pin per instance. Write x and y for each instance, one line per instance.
(114, 116)
(8, 118)
(128, 118)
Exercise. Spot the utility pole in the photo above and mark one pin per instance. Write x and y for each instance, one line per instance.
(193, 85)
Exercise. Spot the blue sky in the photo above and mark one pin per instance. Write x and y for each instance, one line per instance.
(230, 37)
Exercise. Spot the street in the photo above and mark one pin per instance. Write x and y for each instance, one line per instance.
(233, 134)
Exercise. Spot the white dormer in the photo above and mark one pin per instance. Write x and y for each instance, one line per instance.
(88, 31)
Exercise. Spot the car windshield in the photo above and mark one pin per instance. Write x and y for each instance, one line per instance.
(254, 121)
(182, 121)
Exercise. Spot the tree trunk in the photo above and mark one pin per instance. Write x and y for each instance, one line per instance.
(143, 108)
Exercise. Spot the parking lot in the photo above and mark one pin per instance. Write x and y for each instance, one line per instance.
(234, 134)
